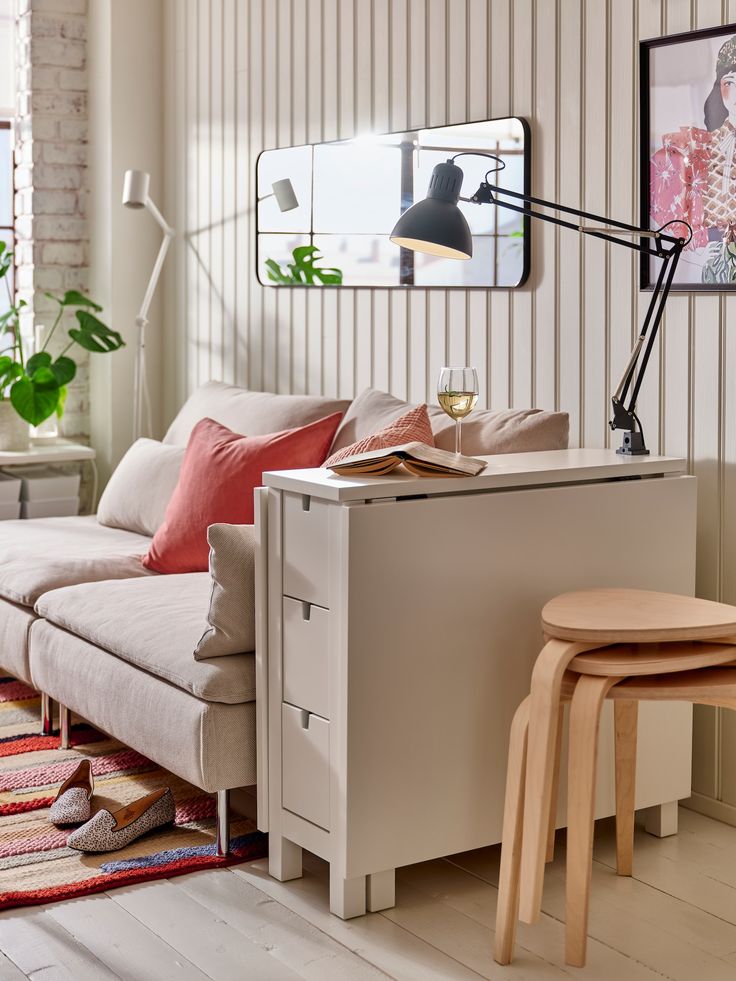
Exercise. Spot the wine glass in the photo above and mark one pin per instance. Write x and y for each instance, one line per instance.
(457, 393)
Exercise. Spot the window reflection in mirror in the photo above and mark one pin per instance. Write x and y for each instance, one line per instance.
(350, 194)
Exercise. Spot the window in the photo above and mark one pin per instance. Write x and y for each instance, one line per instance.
(7, 110)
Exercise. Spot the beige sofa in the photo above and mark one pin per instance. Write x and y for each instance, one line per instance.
(86, 624)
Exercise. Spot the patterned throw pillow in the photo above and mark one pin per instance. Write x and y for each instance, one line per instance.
(412, 427)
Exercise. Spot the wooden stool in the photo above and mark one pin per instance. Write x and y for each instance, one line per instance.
(576, 623)
(706, 686)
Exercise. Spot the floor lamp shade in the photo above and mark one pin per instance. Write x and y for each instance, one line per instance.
(135, 188)
(283, 191)
(436, 225)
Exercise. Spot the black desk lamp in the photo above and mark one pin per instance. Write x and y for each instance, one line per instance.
(437, 226)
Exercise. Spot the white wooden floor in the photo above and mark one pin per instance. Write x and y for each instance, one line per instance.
(676, 919)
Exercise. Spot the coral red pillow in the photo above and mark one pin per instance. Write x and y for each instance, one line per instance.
(412, 427)
(219, 471)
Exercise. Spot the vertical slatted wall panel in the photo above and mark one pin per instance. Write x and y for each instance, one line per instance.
(245, 75)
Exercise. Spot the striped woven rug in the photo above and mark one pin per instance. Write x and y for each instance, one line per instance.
(35, 864)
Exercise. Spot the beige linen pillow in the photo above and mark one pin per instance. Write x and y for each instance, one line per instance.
(485, 431)
(249, 413)
(139, 490)
(232, 613)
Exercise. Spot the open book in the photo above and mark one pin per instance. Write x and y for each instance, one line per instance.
(417, 458)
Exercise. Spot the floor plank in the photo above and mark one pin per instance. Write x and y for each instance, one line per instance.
(45, 951)
(121, 942)
(630, 916)
(692, 870)
(383, 943)
(305, 949)
(9, 971)
(209, 943)
(674, 920)
(456, 909)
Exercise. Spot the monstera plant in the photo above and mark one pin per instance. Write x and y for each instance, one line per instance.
(36, 386)
(303, 271)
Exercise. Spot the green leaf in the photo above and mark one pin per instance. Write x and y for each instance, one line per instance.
(303, 271)
(93, 335)
(73, 298)
(275, 273)
(35, 400)
(305, 252)
(62, 402)
(9, 371)
(63, 370)
(40, 360)
(329, 277)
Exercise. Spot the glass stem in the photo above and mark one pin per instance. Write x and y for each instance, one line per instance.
(457, 436)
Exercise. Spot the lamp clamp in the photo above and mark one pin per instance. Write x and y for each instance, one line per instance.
(484, 195)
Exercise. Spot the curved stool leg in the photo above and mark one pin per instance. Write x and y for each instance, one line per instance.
(551, 828)
(585, 712)
(625, 714)
(507, 911)
(544, 712)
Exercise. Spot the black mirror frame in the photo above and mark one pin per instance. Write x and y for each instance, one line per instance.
(526, 221)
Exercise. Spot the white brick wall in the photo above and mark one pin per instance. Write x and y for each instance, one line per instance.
(51, 174)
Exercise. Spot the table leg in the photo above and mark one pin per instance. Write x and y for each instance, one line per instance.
(284, 858)
(381, 890)
(661, 820)
(347, 896)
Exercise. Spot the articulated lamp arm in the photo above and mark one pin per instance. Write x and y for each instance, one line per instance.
(437, 226)
(665, 246)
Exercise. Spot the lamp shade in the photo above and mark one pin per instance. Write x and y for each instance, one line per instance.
(436, 225)
(283, 191)
(135, 188)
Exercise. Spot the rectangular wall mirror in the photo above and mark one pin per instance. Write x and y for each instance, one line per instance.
(325, 211)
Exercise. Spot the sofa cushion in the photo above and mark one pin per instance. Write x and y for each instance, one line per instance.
(155, 624)
(249, 413)
(219, 473)
(209, 744)
(140, 489)
(232, 613)
(485, 431)
(46, 553)
(15, 624)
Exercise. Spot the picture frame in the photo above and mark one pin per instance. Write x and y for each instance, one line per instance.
(687, 152)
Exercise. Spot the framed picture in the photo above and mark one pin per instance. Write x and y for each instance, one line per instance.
(688, 152)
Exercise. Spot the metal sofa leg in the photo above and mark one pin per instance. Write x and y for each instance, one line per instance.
(65, 724)
(222, 844)
(47, 715)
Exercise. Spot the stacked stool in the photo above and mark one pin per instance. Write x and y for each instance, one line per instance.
(625, 645)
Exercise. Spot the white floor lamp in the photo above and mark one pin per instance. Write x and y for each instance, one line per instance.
(135, 195)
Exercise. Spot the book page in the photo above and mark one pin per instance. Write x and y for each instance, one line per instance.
(425, 461)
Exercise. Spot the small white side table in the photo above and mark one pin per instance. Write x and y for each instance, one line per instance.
(58, 451)
(398, 621)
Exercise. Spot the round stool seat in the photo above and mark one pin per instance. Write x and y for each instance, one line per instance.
(635, 660)
(611, 616)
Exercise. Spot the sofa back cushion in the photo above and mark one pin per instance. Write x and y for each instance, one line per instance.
(485, 431)
(138, 493)
(231, 618)
(218, 475)
(249, 413)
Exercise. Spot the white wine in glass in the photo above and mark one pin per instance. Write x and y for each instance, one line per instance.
(457, 393)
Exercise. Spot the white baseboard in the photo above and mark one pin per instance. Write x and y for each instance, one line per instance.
(717, 809)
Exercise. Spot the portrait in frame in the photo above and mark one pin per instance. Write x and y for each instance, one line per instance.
(688, 152)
